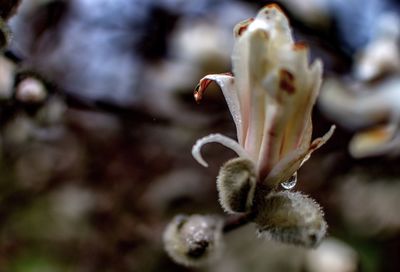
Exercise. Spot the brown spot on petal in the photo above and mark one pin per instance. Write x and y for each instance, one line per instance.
(300, 46)
(314, 145)
(274, 6)
(286, 81)
(200, 89)
(197, 95)
(202, 86)
(242, 27)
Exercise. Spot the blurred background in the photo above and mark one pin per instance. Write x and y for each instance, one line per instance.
(97, 120)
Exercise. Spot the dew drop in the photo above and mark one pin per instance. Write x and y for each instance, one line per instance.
(290, 183)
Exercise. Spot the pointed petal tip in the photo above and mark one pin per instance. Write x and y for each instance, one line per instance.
(331, 131)
(317, 143)
(298, 46)
(206, 81)
(317, 65)
(200, 89)
(197, 95)
(196, 153)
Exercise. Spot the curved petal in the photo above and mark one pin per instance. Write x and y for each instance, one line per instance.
(217, 138)
(227, 84)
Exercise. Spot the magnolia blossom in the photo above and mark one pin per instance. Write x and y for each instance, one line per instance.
(270, 96)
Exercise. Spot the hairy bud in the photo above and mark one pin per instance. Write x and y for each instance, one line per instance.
(236, 184)
(193, 240)
(291, 217)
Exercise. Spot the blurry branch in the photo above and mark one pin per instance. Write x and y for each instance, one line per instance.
(127, 113)
(8, 8)
(73, 100)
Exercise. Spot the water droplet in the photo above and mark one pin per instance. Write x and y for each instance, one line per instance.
(290, 183)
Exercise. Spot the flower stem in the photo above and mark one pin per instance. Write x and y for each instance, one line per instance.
(236, 221)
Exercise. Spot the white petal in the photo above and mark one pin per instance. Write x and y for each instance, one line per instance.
(265, 162)
(227, 85)
(217, 138)
(252, 94)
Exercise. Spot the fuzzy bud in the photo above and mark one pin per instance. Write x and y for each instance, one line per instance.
(236, 184)
(193, 240)
(291, 217)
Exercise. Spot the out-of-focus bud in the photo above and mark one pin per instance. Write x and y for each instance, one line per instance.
(381, 56)
(291, 217)
(18, 131)
(332, 256)
(52, 112)
(31, 90)
(193, 240)
(5, 34)
(236, 184)
(7, 71)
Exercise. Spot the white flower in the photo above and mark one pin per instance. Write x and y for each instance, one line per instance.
(270, 97)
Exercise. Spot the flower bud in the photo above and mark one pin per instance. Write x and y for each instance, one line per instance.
(193, 240)
(291, 217)
(236, 184)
